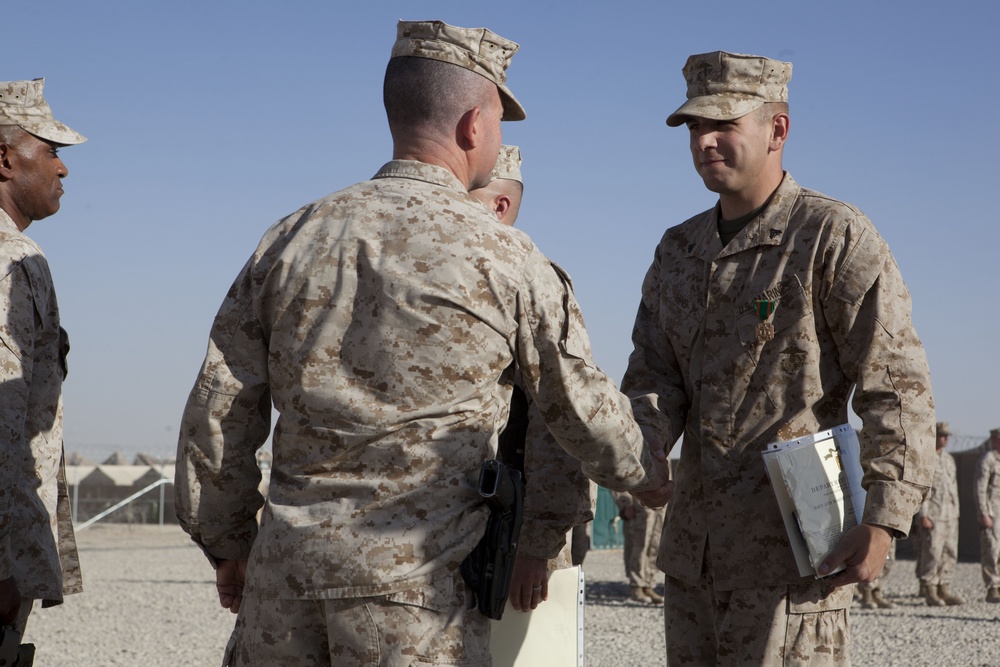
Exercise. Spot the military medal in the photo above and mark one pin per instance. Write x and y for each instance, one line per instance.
(764, 308)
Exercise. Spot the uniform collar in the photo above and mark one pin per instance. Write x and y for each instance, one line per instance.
(420, 171)
(7, 221)
(767, 229)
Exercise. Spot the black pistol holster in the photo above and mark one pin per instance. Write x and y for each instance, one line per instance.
(488, 569)
(12, 652)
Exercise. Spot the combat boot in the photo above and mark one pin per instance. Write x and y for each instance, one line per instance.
(993, 594)
(638, 595)
(931, 596)
(880, 601)
(948, 597)
(866, 599)
(923, 590)
(655, 597)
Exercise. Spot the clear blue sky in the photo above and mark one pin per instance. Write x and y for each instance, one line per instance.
(208, 121)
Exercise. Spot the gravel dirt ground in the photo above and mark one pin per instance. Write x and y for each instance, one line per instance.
(150, 601)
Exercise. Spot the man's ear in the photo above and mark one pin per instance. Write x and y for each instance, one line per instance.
(780, 125)
(469, 131)
(5, 166)
(501, 206)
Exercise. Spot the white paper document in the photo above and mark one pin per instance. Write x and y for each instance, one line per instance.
(551, 634)
(817, 482)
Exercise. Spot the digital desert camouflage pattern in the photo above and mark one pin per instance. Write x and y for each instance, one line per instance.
(988, 503)
(787, 625)
(727, 86)
(557, 495)
(939, 546)
(22, 103)
(508, 165)
(941, 503)
(384, 321)
(37, 545)
(842, 320)
(385, 630)
(641, 535)
(478, 50)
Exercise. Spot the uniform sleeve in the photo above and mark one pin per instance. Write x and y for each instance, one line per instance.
(557, 496)
(926, 506)
(983, 484)
(580, 405)
(17, 341)
(226, 420)
(868, 310)
(653, 379)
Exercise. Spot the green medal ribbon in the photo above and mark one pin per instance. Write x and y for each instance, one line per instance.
(764, 308)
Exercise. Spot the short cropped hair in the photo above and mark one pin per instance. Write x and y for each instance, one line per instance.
(9, 134)
(421, 91)
(767, 111)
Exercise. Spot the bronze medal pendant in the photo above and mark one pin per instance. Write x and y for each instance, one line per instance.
(765, 308)
(765, 332)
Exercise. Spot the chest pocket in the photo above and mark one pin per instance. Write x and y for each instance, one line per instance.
(681, 315)
(792, 307)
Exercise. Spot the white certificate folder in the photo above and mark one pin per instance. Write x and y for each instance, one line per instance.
(817, 483)
(551, 634)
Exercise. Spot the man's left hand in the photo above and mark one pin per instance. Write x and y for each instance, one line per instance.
(229, 579)
(863, 549)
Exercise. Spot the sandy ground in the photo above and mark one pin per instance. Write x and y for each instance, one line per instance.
(150, 601)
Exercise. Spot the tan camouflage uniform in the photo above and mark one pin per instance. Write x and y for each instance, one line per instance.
(557, 493)
(37, 543)
(706, 368)
(37, 546)
(383, 322)
(939, 546)
(988, 503)
(557, 497)
(641, 536)
(382, 630)
(842, 323)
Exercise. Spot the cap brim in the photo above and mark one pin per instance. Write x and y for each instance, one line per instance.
(715, 107)
(512, 109)
(55, 132)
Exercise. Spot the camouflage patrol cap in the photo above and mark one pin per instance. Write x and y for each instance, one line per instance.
(942, 429)
(508, 165)
(995, 433)
(22, 104)
(476, 49)
(727, 86)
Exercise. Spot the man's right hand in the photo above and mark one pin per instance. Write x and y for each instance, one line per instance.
(660, 493)
(529, 583)
(985, 521)
(10, 601)
(926, 523)
(229, 579)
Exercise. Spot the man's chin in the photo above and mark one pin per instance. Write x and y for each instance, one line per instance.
(713, 185)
